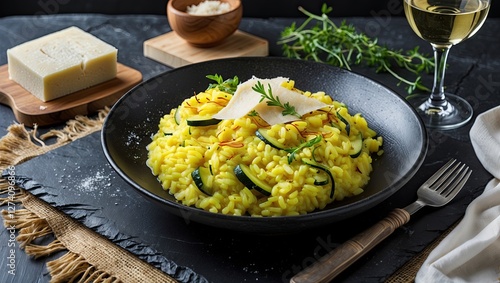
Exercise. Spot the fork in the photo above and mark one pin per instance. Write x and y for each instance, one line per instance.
(437, 191)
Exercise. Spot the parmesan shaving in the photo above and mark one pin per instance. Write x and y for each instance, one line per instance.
(245, 99)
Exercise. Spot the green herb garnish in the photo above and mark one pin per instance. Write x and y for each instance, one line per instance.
(274, 101)
(253, 113)
(342, 46)
(228, 85)
(292, 151)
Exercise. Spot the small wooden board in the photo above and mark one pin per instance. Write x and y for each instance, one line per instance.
(30, 110)
(170, 49)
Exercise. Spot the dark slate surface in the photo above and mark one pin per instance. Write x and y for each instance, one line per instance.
(77, 179)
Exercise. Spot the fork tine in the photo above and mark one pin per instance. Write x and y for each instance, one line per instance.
(445, 181)
(458, 184)
(440, 172)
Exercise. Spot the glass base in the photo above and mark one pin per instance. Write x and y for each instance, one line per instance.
(455, 113)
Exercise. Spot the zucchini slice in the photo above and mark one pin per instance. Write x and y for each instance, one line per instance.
(177, 115)
(200, 121)
(251, 181)
(347, 125)
(322, 167)
(321, 180)
(356, 146)
(200, 177)
(261, 133)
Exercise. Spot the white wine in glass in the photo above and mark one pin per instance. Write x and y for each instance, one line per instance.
(444, 23)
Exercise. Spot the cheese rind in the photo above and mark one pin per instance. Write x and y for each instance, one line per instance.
(61, 63)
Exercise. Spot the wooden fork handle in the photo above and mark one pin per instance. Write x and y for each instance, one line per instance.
(336, 261)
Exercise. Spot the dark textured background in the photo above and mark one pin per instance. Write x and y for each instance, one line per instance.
(252, 8)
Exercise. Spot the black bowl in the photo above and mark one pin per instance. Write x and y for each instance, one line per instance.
(134, 119)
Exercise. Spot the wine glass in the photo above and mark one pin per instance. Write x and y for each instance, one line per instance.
(444, 23)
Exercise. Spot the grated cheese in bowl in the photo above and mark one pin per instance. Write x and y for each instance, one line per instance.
(209, 7)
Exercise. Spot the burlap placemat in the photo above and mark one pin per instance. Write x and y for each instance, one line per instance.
(20, 145)
(90, 257)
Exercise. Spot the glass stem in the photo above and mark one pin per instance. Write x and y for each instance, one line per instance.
(438, 98)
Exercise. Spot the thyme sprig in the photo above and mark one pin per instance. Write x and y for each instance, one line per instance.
(292, 151)
(228, 85)
(343, 46)
(274, 101)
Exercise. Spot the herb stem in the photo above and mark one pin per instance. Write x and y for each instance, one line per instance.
(294, 150)
(343, 46)
(274, 100)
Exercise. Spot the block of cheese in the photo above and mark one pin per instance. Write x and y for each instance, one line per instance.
(61, 63)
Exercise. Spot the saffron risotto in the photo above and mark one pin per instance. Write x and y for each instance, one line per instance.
(178, 149)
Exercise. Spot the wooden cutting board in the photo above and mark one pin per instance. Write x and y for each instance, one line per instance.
(170, 49)
(30, 110)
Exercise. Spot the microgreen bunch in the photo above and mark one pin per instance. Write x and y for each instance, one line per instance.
(343, 46)
(228, 85)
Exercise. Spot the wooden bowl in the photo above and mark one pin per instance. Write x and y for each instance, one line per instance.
(201, 30)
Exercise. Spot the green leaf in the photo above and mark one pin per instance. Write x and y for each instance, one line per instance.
(229, 85)
(294, 150)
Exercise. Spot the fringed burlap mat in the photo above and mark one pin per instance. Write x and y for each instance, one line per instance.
(20, 145)
(90, 257)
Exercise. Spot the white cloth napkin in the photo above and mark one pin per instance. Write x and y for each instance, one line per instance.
(471, 252)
